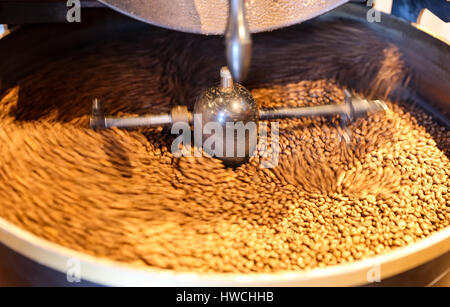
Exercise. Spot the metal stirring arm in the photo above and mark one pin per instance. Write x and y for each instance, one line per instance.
(238, 41)
(99, 121)
(353, 108)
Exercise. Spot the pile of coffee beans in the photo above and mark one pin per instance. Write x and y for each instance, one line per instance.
(122, 195)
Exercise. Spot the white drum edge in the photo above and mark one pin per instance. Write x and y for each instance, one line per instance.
(113, 273)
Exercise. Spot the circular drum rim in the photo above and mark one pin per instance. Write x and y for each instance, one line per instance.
(107, 272)
(113, 273)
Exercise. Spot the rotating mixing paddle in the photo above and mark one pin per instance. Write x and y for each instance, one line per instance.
(231, 104)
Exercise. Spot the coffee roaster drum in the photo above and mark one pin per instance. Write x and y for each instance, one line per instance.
(28, 260)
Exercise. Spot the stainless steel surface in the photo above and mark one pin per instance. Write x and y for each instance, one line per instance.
(134, 122)
(226, 79)
(210, 16)
(356, 108)
(230, 103)
(238, 41)
(98, 121)
(427, 57)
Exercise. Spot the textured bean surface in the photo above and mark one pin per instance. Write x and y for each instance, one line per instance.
(122, 195)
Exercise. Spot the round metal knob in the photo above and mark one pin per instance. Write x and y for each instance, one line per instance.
(231, 109)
